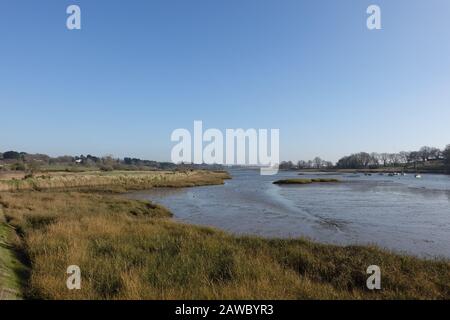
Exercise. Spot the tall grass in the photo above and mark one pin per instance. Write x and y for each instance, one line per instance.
(116, 180)
(129, 249)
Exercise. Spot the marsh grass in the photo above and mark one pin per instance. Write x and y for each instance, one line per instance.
(129, 249)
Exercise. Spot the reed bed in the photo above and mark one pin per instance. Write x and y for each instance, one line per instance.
(131, 249)
(116, 181)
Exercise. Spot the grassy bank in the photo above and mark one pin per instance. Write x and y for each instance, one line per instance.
(12, 271)
(114, 181)
(305, 181)
(130, 249)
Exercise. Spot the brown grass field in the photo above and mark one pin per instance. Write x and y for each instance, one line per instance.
(130, 249)
(116, 181)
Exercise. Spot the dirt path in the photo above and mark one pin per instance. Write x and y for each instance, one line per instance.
(10, 266)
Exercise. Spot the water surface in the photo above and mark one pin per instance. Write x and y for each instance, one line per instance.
(401, 213)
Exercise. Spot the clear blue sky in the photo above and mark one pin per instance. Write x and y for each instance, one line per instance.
(139, 69)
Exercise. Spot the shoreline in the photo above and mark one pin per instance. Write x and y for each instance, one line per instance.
(115, 181)
(95, 223)
(12, 268)
(380, 170)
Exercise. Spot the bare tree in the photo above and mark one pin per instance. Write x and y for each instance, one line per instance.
(425, 153)
(414, 156)
(403, 157)
(301, 164)
(384, 158)
(435, 153)
(375, 159)
(328, 164)
(364, 159)
(446, 156)
(317, 162)
(394, 159)
(286, 165)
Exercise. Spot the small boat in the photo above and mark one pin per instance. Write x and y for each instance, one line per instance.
(418, 176)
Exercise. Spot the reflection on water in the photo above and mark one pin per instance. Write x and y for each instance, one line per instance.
(400, 213)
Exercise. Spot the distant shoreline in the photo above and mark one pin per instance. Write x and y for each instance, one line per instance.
(378, 170)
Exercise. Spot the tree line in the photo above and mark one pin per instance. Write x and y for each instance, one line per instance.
(364, 160)
(316, 163)
(374, 160)
(361, 160)
(15, 160)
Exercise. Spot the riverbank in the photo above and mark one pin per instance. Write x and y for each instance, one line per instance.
(432, 169)
(131, 249)
(12, 271)
(116, 181)
(386, 170)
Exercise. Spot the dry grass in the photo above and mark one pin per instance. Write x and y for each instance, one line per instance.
(130, 249)
(114, 181)
(9, 175)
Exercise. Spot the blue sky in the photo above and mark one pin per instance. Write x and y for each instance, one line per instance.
(140, 69)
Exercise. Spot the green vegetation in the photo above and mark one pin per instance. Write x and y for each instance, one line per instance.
(306, 181)
(33, 163)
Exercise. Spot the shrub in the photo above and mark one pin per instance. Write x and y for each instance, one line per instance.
(11, 155)
(18, 166)
(106, 168)
(446, 155)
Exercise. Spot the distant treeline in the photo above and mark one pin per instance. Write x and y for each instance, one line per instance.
(365, 160)
(14, 160)
(316, 163)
